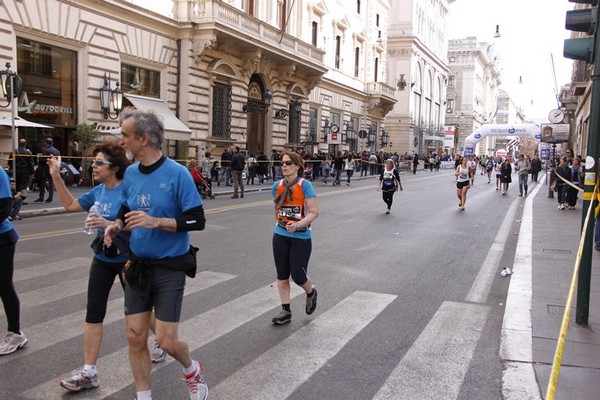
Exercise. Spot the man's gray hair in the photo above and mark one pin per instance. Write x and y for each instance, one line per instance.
(146, 122)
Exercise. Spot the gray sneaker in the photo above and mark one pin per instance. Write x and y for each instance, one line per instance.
(79, 381)
(158, 355)
(282, 318)
(12, 342)
(197, 387)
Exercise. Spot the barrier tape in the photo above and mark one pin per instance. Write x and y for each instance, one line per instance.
(551, 390)
(566, 181)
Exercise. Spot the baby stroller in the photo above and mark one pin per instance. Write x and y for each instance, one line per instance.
(205, 187)
(308, 171)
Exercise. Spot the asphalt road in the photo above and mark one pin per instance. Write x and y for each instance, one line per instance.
(410, 304)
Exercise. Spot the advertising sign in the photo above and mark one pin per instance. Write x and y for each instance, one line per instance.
(334, 138)
(555, 133)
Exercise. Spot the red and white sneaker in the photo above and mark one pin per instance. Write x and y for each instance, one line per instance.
(197, 387)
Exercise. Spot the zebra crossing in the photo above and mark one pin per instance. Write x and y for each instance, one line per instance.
(431, 368)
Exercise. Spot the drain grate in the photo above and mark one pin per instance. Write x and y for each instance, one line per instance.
(557, 310)
(557, 251)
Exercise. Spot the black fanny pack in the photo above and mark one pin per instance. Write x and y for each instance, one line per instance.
(138, 272)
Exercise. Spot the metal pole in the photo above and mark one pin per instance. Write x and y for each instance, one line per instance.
(593, 151)
(11, 76)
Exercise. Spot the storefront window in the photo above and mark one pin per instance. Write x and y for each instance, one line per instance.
(140, 81)
(49, 76)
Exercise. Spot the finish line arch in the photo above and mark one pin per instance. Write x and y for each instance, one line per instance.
(531, 130)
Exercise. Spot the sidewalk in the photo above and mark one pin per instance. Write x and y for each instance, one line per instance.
(539, 287)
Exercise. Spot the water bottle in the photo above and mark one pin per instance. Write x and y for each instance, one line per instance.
(93, 209)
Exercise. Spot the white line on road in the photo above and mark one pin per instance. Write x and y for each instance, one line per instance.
(304, 352)
(435, 365)
(42, 269)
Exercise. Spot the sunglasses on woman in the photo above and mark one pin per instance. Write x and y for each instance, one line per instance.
(100, 163)
(288, 162)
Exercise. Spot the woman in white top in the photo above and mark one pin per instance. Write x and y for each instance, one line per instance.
(462, 182)
(498, 173)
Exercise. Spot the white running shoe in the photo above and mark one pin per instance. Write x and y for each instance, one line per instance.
(197, 387)
(12, 342)
(79, 381)
(157, 354)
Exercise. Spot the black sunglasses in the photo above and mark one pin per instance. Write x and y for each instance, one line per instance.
(288, 162)
(100, 163)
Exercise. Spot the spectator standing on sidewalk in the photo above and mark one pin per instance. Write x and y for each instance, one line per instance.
(523, 167)
(15, 339)
(415, 163)
(160, 220)
(337, 165)
(43, 173)
(576, 179)
(562, 171)
(295, 209)
(238, 162)
(251, 169)
(25, 165)
(275, 165)
(226, 166)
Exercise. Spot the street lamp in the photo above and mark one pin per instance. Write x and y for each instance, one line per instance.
(10, 88)
(110, 97)
(255, 105)
(385, 138)
(283, 113)
(372, 137)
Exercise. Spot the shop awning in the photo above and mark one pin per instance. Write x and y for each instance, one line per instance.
(174, 128)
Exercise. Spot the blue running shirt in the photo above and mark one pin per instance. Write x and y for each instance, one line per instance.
(167, 192)
(5, 192)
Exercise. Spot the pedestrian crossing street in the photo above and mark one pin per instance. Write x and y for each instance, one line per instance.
(433, 368)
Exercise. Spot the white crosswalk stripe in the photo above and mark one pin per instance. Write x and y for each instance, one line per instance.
(435, 365)
(304, 352)
(49, 269)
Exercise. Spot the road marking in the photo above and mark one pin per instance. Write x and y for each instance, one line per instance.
(480, 288)
(68, 326)
(22, 274)
(197, 332)
(435, 365)
(516, 347)
(303, 352)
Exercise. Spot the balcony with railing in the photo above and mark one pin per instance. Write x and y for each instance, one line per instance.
(381, 94)
(229, 24)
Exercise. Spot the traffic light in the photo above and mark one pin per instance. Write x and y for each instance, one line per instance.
(583, 20)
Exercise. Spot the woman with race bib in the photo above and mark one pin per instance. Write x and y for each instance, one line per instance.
(462, 182)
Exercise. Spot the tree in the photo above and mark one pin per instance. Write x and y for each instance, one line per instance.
(86, 135)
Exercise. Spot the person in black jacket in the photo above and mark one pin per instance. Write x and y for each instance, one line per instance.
(505, 175)
(238, 162)
(389, 183)
(563, 171)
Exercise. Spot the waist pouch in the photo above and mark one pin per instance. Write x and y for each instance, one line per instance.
(138, 272)
(283, 225)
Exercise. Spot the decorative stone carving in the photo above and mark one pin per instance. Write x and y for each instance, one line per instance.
(250, 61)
(201, 45)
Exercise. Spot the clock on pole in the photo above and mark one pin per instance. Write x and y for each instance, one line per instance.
(556, 116)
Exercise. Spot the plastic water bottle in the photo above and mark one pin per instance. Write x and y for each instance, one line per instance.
(93, 209)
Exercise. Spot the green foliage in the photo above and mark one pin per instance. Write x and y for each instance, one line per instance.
(86, 135)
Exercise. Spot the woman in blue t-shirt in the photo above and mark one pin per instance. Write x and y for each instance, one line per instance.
(14, 339)
(108, 167)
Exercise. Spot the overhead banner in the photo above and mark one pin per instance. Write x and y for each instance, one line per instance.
(531, 130)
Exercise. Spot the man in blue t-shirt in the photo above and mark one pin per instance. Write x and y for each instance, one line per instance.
(160, 205)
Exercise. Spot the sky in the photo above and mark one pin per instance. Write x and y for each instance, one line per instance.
(531, 39)
(531, 31)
